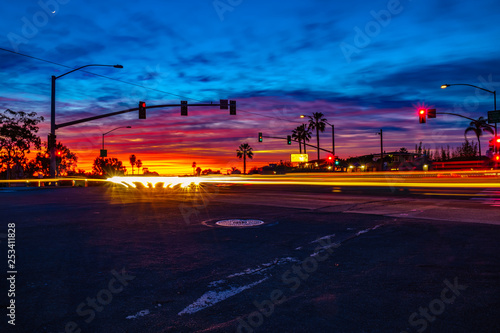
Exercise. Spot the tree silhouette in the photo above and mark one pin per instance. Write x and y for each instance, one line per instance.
(317, 122)
(138, 164)
(132, 160)
(296, 135)
(194, 167)
(306, 135)
(65, 160)
(244, 150)
(17, 136)
(302, 133)
(108, 167)
(478, 127)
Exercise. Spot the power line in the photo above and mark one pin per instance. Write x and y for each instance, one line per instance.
(137, 85)
(100, 75)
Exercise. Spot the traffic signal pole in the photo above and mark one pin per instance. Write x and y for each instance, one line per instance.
(84, 120)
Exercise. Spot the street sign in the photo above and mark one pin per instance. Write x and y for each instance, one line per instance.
(299, 158)
(493, 117)
(104, 153)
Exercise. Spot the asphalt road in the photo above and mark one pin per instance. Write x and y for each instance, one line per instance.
(106, 259)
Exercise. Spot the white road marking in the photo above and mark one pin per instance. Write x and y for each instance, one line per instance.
(211, 298)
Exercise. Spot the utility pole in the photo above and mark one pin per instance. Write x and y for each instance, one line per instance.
(381, 150)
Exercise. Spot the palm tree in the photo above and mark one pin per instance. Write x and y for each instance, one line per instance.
(244, 150)
(306, 135)
(317, 122)
(478, 127)
(302, 133)
(132, 160)
(296, 134)
(138, 164)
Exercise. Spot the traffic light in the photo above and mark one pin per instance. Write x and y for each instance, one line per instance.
(260, 136)
(431, 113)
(289, 139)
(223, 104)
(142, 110)
(184, 108)
(496, 158)
(422, 115)
(330, 158)
(337, 162)
(232, 108)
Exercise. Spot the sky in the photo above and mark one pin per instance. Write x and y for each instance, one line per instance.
(366, 65)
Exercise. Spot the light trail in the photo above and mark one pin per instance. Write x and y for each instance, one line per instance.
(436, 179)
(418, 180)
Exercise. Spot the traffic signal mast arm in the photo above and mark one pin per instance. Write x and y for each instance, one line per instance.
(277, 137)
(459, 115)
(84, 120)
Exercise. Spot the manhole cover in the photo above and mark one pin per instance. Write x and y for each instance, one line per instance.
(239, 223)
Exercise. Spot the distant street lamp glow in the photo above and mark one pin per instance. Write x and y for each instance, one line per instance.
(444, 86)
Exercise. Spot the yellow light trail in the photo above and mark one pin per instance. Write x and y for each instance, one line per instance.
(436, 179)
(373, 180)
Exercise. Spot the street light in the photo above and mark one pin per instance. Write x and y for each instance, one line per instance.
(53, 114)
(333, 134)
(333, 137)
(381, 149)
(444, 86)
(103, 134)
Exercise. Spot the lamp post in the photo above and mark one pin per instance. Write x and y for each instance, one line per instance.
(444, 86)
(53, 116)
(333, 137)
(381, 150)
(114, 129)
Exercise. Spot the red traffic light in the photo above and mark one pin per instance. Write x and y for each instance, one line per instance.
(59, 153)
(497, 158)
(142, 110)
(329, 158)
(421, 111)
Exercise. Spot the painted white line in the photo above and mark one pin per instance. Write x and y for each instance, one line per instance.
(369, 229)
(263, 267)
(216, 283)
(211, 298)
(322, 238)
(139, 314)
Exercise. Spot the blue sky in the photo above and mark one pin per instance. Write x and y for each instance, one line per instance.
(366, 65)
